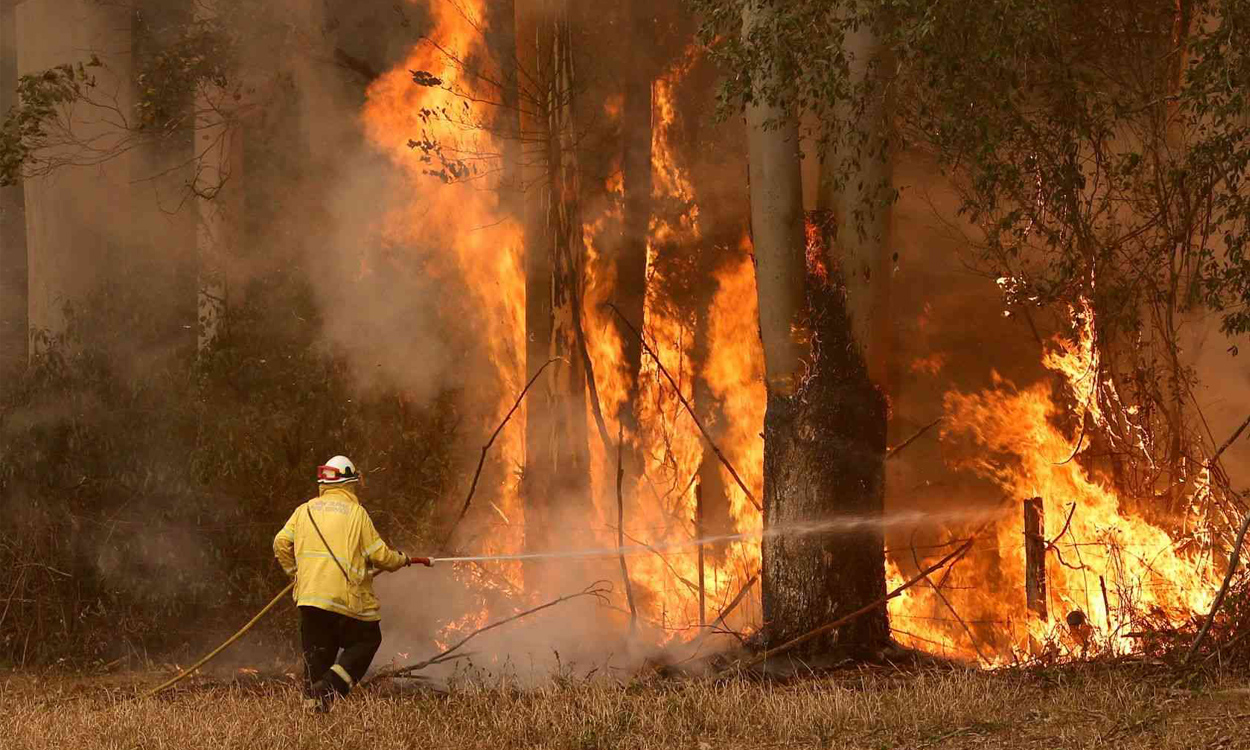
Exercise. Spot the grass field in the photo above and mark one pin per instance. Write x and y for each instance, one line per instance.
(1075, 707)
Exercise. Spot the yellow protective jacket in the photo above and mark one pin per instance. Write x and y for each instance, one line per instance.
(352, 539)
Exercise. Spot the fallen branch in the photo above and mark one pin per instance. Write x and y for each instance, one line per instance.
(482, 461)
(788, 645)
(938, 590)
(690, 409)
(597, 590)
(1228, 577)
(895, 450)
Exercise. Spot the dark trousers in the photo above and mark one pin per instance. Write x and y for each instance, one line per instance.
(323, 634)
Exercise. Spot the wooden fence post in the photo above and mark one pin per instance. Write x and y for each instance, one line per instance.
(1035, 556)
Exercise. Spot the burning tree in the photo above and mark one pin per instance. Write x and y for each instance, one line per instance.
(824, 441)
(561, 182)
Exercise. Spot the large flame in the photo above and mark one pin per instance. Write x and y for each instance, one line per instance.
(462, 233)
(1104, 559)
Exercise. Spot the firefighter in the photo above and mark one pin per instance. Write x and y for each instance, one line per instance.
(331, 547)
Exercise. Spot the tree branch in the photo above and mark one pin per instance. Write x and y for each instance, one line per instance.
(481, 461)
(1228, 577)
(698, 423)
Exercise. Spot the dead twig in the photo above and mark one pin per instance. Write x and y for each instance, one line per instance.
(729, 608)
(891, 453)
(715, 628)
(485, 448)
(1228, 577)
(1224, 447)
(599, 590)
(595, 407)
(689, 409)
(682, 579)
(1228, 645)
(788, 645)
(620, 531)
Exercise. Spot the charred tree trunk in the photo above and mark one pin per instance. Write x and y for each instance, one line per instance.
(715, 496)
(502, 40)
(823, 449)
(538, 321)
(855, 222)
(631, 262)
(13, 269)
(824, 434)
(557, 472)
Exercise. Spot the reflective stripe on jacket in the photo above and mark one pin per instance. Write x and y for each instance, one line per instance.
(352, 539)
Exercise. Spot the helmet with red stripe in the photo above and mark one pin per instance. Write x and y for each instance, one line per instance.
(338, 470)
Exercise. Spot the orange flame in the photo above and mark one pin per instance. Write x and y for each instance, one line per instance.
(465, 235)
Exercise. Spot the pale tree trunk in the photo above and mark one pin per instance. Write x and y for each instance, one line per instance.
(13, 270)
(219, 205)
(823, 438)
(856, 192)
(166, 237)
(857, 230)
(557, 471)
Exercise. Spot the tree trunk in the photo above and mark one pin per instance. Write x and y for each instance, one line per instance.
(167, 235)
(557, 470)
(631, 262)
(823, 459)
(717, 519)
(502, 39)
(854, 221)
(13, 270)
(856, 189)
(824, 435)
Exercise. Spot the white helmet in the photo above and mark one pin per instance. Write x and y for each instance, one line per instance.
(338, 470)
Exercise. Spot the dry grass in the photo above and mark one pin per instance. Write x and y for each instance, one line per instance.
(1078, 708)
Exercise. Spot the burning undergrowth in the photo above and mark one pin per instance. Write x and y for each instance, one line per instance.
(1107, 565)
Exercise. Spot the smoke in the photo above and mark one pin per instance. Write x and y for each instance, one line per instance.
(324, 200)
(1222, 393)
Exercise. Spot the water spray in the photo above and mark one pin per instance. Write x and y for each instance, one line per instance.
(844, 523)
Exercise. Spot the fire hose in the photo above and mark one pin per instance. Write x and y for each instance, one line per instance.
(209, 657)
(250, 623)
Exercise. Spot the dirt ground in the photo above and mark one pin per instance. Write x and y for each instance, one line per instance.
(1088, 706)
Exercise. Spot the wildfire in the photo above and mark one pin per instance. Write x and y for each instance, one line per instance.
(1101, 557)
(459, 228)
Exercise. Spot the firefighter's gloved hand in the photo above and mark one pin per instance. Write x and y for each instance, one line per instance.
(427, 562)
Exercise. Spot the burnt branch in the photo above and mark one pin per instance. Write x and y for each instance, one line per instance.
(485, 448)
(829, 627)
